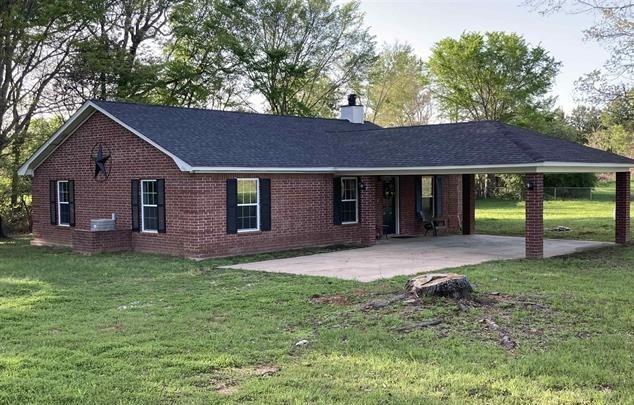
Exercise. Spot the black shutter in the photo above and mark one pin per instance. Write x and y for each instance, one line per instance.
(232, 206)
(265, 204)
(438, 196)
(52, 191)
(160, 195)
(336, 200)
(418, 195)
(136, 205)
(71, 202)
(359, 199)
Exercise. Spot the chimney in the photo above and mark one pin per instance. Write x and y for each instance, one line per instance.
(352, 112)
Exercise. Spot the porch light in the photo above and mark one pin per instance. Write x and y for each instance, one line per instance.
(530, 185)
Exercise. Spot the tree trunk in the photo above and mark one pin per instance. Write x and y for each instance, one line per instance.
(2, 234)
(440, 284)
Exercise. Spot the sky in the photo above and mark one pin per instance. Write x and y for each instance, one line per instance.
(421, 23)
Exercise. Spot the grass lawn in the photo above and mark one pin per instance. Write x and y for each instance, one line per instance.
(590, 220)
(132, 328)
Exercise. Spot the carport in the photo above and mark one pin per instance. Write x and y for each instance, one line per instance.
(487, 147)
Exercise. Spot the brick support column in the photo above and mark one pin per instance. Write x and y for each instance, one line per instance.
(468, 204)
(622, 212)
(534, 216)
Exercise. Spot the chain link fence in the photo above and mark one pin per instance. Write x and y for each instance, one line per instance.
(550, 193)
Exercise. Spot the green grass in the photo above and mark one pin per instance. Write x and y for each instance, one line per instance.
(133, 328)
(590, 220)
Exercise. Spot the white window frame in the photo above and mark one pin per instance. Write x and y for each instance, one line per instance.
(356, 199)
(257, 204)
(143, 205)
(59, 203)
(433, 191)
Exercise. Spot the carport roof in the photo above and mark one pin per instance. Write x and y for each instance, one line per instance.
(200, 140)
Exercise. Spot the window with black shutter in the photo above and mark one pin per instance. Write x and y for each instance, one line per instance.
(248, 205)
(349, 200)
(425, 197)
(63, 203)
(152, 206)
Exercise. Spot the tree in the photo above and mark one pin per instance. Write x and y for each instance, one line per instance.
(35, 43)
(616, 133)
(614, 29)
(397, 92)
(118, 55)
(297, 55)
(15, 204)
(491, 76)
(586, 120)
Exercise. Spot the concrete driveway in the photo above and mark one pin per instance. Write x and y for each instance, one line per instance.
(414, 255)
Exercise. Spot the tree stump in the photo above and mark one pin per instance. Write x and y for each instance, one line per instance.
(440, 284)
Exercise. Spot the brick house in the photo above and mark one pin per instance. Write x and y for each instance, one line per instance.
(202, 183)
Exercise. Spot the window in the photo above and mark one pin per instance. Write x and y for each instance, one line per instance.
(248, 205)
(349, 200)
(427, 190)
(63, 203)
(149, 206)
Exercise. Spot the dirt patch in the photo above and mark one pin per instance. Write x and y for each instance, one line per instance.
(116, 327)
(504, 318)
(265, 370)
(224, 389)
(336, 299)
(227, 381)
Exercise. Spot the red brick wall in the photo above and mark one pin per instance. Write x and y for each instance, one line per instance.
(622, 217)
(535, 216)
(301, 205)
(131, 158)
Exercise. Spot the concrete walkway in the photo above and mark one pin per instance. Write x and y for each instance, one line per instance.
(415, 255)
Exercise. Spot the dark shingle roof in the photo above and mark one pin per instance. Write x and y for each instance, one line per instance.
(234, 139)
(467, 143)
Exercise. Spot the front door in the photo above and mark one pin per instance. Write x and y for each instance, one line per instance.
(389, 205)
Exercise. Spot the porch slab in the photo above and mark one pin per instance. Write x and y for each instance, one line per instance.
(397, 257)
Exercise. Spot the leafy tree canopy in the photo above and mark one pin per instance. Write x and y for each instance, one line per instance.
(491, 76)
(397, 90)
(299, 56)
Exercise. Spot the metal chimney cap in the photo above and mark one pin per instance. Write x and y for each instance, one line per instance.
(352, 99)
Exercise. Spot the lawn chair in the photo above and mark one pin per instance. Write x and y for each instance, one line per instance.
(431, 224)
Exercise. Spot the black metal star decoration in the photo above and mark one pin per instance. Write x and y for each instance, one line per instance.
(100, 161)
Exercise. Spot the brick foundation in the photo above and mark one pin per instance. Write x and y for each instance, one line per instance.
(89, 242)
(622, 212)
(534, 233)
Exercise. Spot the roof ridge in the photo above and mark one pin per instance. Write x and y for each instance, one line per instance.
(215, 110)
(524, 147)
(417, 126)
